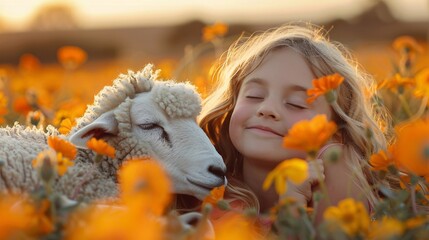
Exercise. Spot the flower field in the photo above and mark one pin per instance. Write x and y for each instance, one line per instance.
(36, 94)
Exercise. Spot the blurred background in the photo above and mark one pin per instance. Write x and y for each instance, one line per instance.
(182, 37)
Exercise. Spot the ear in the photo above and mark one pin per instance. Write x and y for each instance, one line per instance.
(104, 125)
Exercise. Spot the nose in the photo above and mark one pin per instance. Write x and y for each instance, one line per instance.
(217, 171)
(269, 111)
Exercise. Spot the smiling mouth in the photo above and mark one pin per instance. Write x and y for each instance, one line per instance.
(266, 130)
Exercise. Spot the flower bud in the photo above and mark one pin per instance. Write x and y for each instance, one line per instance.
(331, 96)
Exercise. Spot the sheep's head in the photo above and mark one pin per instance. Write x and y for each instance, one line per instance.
(160, 123)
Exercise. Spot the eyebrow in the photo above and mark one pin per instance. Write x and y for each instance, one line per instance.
(261, 81)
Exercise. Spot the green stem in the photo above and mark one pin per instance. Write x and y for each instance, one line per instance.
(421, 110)
(413, 198)
(322, 184)
(405, 105)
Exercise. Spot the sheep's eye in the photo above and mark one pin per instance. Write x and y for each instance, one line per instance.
(149, 126)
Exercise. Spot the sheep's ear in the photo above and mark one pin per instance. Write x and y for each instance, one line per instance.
(104, 125)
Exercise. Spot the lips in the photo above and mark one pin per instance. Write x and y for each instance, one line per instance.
(266, 129)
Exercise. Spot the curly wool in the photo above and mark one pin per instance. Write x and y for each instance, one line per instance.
(110, 97)
(178, 99)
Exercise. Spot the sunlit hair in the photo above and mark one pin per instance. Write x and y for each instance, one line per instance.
(353, 112)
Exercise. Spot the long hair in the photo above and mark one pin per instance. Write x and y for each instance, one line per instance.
(353, 112)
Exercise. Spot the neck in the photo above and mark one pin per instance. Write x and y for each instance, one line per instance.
(254, 174)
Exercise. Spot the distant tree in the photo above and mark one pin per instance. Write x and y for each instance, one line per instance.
(54, 17)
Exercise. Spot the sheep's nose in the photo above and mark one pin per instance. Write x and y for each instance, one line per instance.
(217, 171)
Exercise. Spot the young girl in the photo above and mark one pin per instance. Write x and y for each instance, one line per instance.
(261, 93)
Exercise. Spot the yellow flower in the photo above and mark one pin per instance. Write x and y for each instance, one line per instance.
(386, 228)
(101, 147)
(422, 83)
(214, 31)
(141, 181)
(407, 43)
(49, 160)
(310, 135)
(350, 215)
(66, 125)
(62, 164)
(71, 57)
(62, 146)
(396, 83)
(295, 170)
(411, 149)
(381, 160)
(216, 194)
(325, 86)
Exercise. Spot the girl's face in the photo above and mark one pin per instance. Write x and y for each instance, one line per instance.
(271, 99)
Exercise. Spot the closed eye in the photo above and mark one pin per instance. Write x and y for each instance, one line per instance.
(149, 126)
(296, 106)
(254, 97)
(152, 126)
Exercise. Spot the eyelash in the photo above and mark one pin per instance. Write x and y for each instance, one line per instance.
(254, 97)
(296, 106)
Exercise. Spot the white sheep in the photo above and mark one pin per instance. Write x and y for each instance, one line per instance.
(140, 117)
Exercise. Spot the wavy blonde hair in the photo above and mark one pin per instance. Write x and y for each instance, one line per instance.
(353, 112)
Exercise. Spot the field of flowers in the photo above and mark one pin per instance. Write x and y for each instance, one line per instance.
(37, 94)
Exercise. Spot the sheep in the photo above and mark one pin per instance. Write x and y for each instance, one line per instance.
(139, 116)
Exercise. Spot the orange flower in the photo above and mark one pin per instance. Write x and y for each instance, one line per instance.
(35, 118)
(71, 57)
(41, 223)
(64, 147)
(350, 215)
(101, 147)
(396, 83)
(422, 83)
(21, 105)
(216, 194)
(113, 223)
(416, 222)
(407, 43)
(141, 181)
(295, 170)
(325, 86)
(15, 217)
(3, 104)
(386, 228)
(214, 31)
(381, 161)
(235, 226)
(411, 149)
(310, 135)
(29, 62)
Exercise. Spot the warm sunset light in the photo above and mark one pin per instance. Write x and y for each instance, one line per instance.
(214, 119)
(114, 13)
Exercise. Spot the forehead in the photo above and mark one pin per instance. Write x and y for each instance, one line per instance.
(282, 67)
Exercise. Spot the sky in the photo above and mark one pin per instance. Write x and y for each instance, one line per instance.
(16, 14)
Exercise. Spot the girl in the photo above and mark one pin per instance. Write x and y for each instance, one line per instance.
(261, 93)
